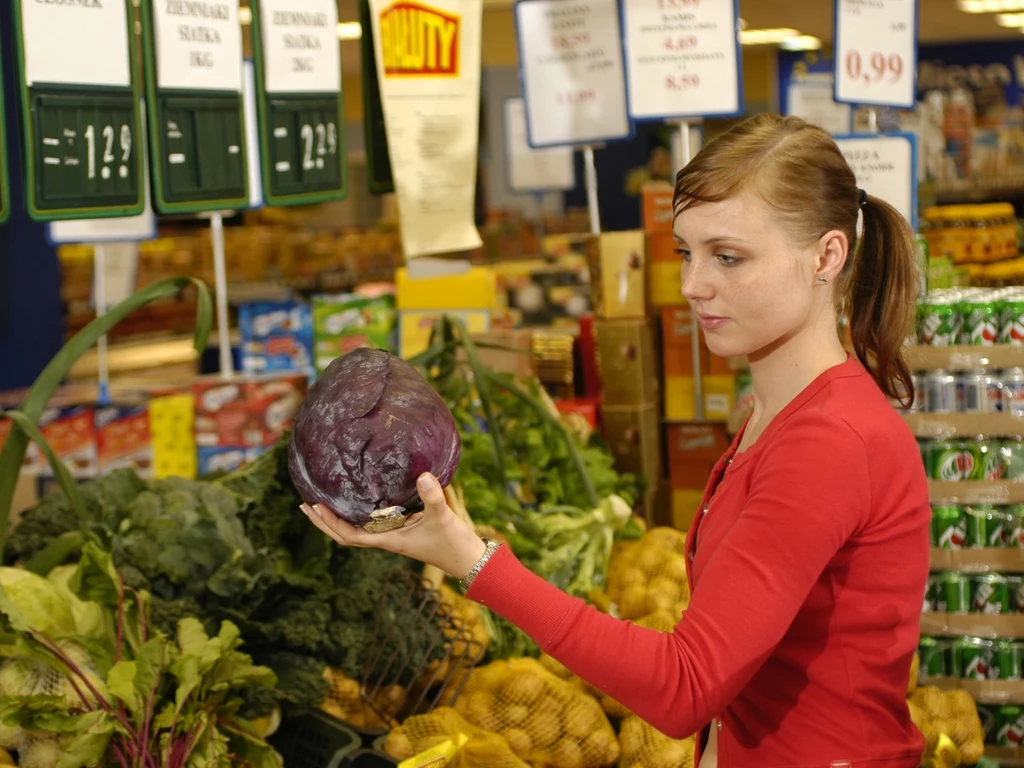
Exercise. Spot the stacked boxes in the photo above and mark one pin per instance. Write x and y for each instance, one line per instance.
(471, 296)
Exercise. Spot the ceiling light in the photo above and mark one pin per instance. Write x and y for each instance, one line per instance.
(801, 43)
(767, 36)
(1010, 20)
(990, 6)
(349, 30)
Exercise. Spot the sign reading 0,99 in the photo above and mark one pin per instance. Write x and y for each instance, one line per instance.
(194, 106)
(80, 109)
(298, 96)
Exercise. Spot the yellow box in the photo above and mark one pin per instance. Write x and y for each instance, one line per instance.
(679, 398)
(415, 326)
(665, 284)
(685, 504)
(616, 261)
(719, 396)
(172, 434)
(477, 288)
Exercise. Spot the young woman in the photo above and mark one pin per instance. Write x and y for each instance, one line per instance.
(809, 556)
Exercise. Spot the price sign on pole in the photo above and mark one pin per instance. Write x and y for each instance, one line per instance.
(193, 59)
(533, 170)
(876, 53)
(80, 109)
(298, 88)
(886, 167)
(682, 59)
(570, 59)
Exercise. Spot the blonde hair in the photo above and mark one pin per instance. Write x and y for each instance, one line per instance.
(800, 174)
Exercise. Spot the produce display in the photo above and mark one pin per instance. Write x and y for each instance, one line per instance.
(951, 727)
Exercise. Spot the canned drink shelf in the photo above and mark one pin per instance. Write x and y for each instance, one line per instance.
(1007, 757)
(964, 358)
(942, 426)
(976, 492)
(983, 691)
(990, 560)
(974, 625)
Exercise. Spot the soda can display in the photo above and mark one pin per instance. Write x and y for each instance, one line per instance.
(1012, 452)
(1011, 322)
(990, 594)
(942, 393)
(985, 526)
(949, 526)
(931, 593)
(980, 392)
(1015, 584)
(950, 462)
(933, 653)
(1006, 660)
(1009, 726)
(988, 463)
(952, 593)
(980, 326)
(970, 658)
(1013, 391)
(940, 323)
(989, 715)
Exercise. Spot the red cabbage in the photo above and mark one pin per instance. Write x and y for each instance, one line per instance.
(368, 428)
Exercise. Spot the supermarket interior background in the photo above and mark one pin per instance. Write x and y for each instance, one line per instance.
(487, 193)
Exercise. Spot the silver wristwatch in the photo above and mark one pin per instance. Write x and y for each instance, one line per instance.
(467, 581)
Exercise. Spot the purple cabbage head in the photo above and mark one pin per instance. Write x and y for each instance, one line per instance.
(368, 428)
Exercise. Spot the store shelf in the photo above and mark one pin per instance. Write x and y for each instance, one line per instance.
(983, 691)
(981, 189)
(978, 560)
(972, 625)
(1007, 757)
(976, 492)
(964, 358)
(936, 426)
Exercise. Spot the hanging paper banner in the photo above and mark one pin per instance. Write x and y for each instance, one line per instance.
(428, 66)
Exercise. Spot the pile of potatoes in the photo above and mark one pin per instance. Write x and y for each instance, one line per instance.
(649, 574)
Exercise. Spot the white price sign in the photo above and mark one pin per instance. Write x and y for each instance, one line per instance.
(533, 170)
(301, 50)
(682, 58)
(570, 59)
(83, 43)
(198, 44)
(885, 167)
(876, 52)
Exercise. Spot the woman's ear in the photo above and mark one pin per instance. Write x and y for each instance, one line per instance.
(832, 252)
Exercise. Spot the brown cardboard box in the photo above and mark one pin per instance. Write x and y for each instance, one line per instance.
(634, 438)
(626, 362)
(517, 360)
(717, 378)
(657, 206)
(693, 450)
(617, 274)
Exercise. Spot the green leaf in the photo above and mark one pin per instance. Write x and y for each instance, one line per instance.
(43, 712)
(96, 579)
(31, 603)
(13, 452)
(56, 552)
(89, 747)
(121, 684)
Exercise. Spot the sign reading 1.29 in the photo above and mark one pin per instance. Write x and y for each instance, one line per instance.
(80, 107)
(298, 89)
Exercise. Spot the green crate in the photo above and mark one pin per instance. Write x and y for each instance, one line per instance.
(316, 740)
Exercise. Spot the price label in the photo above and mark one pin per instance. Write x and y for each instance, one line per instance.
(876, 52)
(533, 170)
(298, 89)
(885, 167)
(193, 59)
(811, 99)
(80, 141)
(572, 73)
(682, 59)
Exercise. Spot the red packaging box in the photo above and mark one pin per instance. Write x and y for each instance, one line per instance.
(246, 412)
(123, 438)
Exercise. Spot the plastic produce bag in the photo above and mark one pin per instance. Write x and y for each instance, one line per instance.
(547, 721)
(644, 746)
(444, 734)
(649, 574)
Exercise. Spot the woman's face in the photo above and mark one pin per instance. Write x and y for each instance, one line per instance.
(752, 288)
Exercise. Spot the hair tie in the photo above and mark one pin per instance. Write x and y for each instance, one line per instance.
(863, 198)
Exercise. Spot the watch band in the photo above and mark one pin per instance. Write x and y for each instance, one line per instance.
(467, 581)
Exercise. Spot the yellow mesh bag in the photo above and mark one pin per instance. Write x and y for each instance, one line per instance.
(467, 616)
(947, 717)
(649, 574)
(421, 733)
(345, 702)
(644, 746)
(547, 721)
(915, 671)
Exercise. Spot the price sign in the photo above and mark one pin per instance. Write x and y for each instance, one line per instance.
(682, 58)
(197, 146)
(886, 167)
(80, 109)
(298, 89)
(570, 59)
(876, 53)
(533, 170)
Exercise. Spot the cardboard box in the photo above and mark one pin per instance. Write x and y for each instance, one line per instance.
(123, 438)
(476, 288)
(70, 430)
(633, 435)
(172, 434)
(657, 198)
(516, 360)
(626, 361)
(225, 459)
(617, 274)
(252, 412)
(693, 450)
(415, 326)
(717, 378)
(664, 271)
(344, 321)
(276, 336)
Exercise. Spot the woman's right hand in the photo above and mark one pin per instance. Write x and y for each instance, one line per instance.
(436, 536)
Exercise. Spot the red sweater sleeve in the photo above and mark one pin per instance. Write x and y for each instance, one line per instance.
(808, 498)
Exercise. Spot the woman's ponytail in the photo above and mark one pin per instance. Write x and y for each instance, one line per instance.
(881, 295)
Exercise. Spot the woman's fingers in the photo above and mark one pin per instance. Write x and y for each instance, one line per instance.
(318, 519)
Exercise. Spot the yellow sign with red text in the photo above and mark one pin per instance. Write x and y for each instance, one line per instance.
(419, 41)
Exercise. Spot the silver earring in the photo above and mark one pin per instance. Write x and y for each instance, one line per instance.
(822, 279)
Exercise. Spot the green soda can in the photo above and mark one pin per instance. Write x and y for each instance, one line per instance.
(1013, 535)
(1006, 660)
(1011, 322)
(1015, 583)
(949, 527)
(972, 658)
(923, 259)
(1012, 452)
(950, 462)
(933, 654)
(940, 323)
(989, 464)
(985, 526)
(989, 718)
(980, 323)
(952, 593)
(990, 594)
(1009, 726)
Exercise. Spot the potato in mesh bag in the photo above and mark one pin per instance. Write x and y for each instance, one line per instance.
(644, 746)
(466, 614)
(547, 721)
(952, 714)
(345, 702)
(650, 574)
(420, 733)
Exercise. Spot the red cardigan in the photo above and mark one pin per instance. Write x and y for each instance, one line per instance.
(807, 575)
